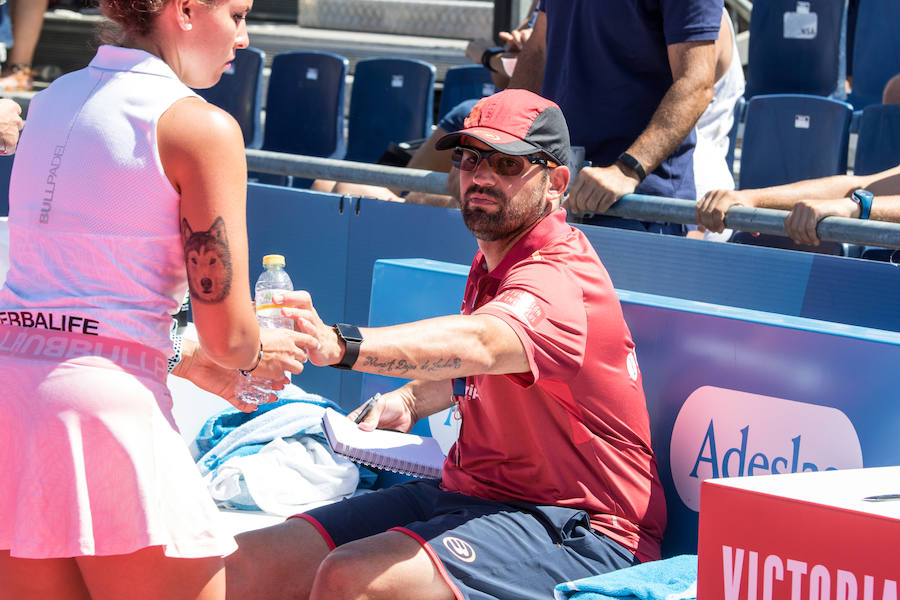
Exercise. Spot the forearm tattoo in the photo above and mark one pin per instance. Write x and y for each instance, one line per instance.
(208, 260)
(401, 367)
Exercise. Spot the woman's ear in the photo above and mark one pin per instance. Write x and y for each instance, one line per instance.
(183, 14)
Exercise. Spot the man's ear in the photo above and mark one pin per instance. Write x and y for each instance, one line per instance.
(559, 183)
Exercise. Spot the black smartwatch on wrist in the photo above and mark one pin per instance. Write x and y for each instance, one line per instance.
(488, 54)
(633, 164)
(352, 339)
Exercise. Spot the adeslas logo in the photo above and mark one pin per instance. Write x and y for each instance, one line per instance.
(727, 433)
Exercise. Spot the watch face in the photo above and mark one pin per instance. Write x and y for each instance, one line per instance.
(864, 194)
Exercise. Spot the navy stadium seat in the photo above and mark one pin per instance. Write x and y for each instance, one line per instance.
(392, 100)
(305, 107)
(878, 144)
(797, 47)
(789, 137)
(239, 92)
(876, 50)
(464, 82)
(305, 104)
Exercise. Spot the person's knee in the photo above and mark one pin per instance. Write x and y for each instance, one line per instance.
(341, 573)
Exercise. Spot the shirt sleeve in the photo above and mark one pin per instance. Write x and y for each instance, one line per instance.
(691, 20)
(545, 308)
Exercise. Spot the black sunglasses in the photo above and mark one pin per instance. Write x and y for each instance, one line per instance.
(506, 165)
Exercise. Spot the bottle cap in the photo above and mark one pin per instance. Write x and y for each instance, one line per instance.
(273, 260)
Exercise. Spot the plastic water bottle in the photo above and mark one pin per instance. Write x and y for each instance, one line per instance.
(273, 280)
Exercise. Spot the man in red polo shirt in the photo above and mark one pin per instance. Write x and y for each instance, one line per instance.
(552, 477)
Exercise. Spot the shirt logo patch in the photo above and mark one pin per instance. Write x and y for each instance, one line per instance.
(461, 549)
(521, 304)
(631, 363)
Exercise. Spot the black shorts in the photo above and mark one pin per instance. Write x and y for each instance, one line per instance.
(483, 549)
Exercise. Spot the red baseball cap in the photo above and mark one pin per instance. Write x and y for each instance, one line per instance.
(515, 122)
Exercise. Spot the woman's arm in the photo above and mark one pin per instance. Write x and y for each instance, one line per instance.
(202, 153)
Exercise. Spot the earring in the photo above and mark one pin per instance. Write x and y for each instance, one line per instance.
(188, 26)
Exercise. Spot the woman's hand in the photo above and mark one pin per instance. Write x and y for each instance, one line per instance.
(199, 369)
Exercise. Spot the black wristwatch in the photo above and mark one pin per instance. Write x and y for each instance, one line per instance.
(352, 339)
(633, 164)
(488, 54)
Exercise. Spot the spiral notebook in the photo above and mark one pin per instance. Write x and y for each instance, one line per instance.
(405, 453)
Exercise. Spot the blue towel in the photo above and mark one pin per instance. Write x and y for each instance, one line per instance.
(232, 433)
(672, 578)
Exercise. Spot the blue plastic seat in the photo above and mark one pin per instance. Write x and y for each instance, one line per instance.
(239, 92)
(787, 138)
(790, 137)
(878, 144)
(464, 82)
(797, 48)
(305, 104)
(392, 100)
(305, 108)
(876, 50)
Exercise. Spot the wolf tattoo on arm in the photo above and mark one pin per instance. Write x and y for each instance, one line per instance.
(208, 259)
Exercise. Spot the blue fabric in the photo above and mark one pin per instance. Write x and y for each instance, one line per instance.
(232, 433)
(607, 67)
(6, 35)
(456, 116)
(490, 550)
(656, 580)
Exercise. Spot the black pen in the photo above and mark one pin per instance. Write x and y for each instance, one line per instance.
(882, 498)
(366, 408)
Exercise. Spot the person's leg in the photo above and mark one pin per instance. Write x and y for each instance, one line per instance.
(38, 579)
(149, 574)
(388, 566)
(277, 562)
(27, 18)
(281, 561)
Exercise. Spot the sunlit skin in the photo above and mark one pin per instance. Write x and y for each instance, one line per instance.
(495, 220)
(210, 34)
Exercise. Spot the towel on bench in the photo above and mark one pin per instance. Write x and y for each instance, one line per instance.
(670, 579)
(274, 459)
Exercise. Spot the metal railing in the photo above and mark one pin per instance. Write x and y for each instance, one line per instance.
(632, 206)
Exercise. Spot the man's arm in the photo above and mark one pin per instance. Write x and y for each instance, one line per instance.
(711, 209)
(432, 349)
(403, 407)
(804, 217)
(529, 73)
(693, 72)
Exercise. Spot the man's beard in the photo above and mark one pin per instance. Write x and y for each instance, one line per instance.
(506, 220)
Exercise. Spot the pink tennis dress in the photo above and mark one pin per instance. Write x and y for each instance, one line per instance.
(91, 462)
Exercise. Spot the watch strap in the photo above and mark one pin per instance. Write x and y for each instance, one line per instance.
(633, 164)
(864, 199)
(352, 339)
(488, 54)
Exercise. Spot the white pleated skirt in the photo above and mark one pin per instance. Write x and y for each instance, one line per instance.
(92, 464)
